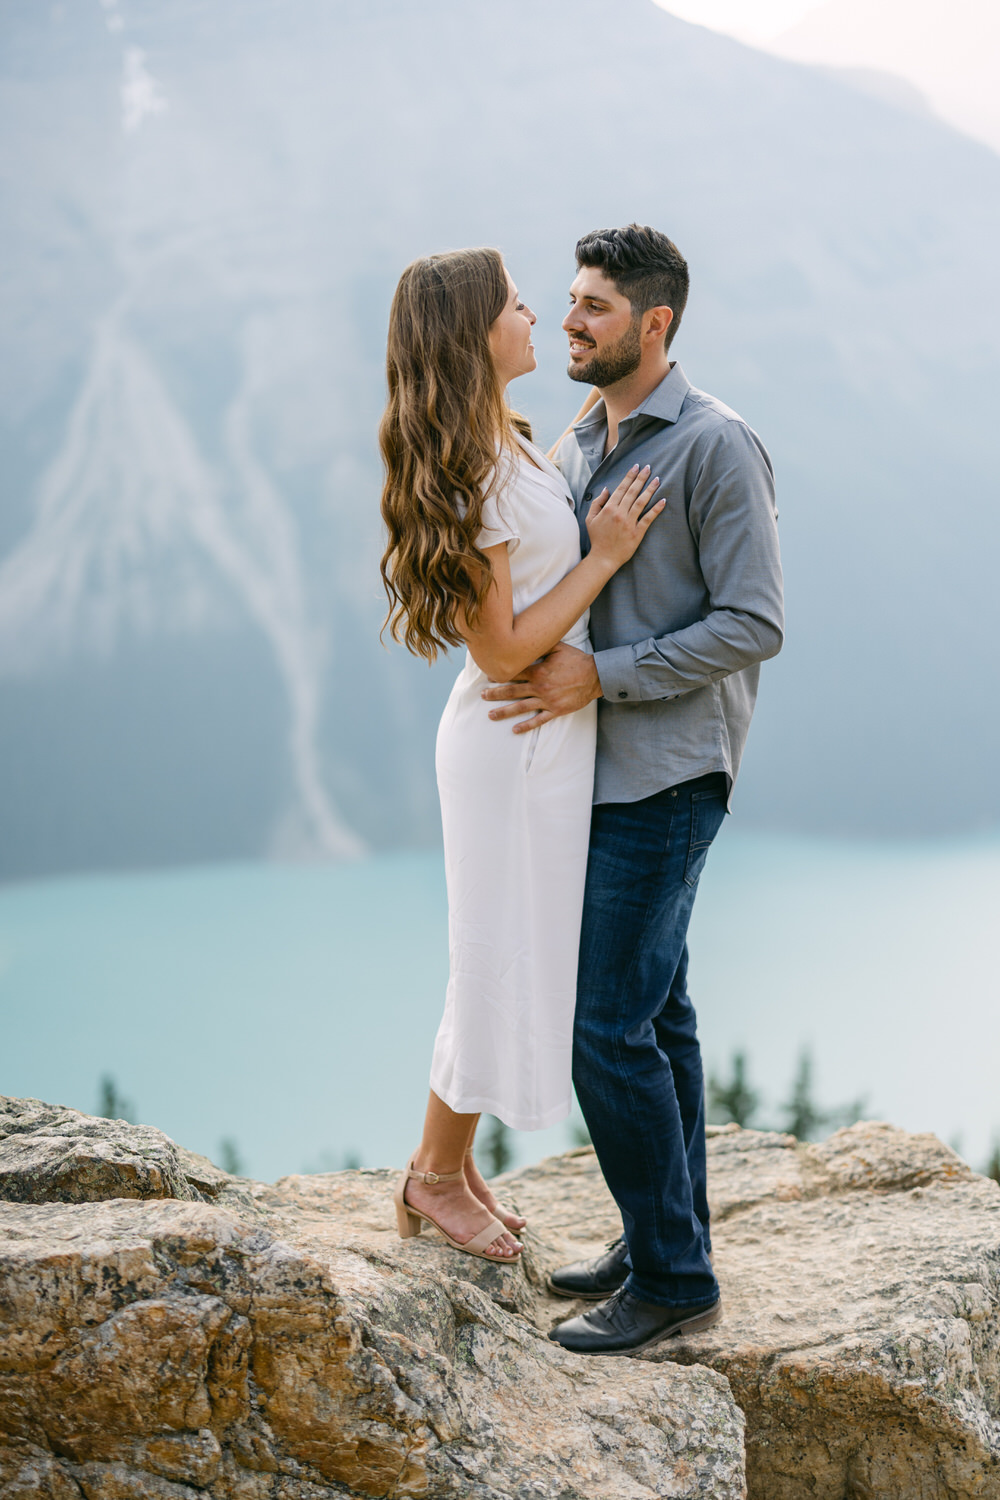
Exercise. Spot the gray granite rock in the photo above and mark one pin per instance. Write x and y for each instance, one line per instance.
(254, 1342)
(51, 1154)
(861, 1287)
(281, 1343)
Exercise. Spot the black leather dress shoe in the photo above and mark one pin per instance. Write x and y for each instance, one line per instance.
(593, 1280)
(624, 1325)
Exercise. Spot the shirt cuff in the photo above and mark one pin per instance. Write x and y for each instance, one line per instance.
(618, 675)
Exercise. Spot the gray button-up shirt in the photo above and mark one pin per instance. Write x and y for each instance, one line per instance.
(680, 630)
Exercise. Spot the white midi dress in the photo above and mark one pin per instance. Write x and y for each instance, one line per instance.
(516, 816)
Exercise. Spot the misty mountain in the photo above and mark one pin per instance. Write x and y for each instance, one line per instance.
(948, 51)
(205, 210)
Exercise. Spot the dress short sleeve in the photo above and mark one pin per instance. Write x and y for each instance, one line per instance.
(499, 521)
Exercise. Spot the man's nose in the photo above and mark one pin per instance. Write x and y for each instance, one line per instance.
(571, 322)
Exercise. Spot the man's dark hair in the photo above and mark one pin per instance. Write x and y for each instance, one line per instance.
(644, 265)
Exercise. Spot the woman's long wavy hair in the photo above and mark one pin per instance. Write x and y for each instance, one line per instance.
(446, 437)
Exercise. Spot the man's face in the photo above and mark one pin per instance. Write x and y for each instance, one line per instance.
(605, 343)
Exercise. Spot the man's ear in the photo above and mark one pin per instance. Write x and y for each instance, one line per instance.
(656, 321)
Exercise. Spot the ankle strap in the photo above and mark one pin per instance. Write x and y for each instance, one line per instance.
(432, 1177)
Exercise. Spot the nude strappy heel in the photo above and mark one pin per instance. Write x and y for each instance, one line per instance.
(409, 1222)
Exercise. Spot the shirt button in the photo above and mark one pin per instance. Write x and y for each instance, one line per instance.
(623, 694)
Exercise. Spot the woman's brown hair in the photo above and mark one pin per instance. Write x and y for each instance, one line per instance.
(445, 434)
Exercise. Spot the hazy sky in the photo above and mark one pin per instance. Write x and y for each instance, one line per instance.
(948, 49)
(753, 20)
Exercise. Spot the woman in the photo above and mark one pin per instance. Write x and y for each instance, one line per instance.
(484, 550)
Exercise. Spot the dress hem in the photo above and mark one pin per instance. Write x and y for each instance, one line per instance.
(479, 1105)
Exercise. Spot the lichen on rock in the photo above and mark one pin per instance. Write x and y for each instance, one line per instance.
(861, 1288)
(52, 1154)
(281, 1343)
(200, 1335)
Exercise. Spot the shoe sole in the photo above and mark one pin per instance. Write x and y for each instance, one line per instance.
(559, 1291)
(690, 1325)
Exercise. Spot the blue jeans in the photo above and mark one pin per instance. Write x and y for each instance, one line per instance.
(636, 1059)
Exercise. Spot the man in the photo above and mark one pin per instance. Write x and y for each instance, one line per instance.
(678, 636)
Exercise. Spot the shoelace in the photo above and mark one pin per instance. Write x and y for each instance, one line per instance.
(612, 1304)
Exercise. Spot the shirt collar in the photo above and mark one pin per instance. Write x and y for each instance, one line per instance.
(664, 402)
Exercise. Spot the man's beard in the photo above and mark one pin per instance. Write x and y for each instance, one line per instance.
(616, 363)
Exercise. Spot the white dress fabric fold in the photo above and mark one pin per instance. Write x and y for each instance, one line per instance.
(516, 816)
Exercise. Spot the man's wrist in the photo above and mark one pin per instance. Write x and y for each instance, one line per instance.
(617, 675)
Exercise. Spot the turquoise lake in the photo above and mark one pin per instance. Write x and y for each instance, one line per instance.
(292, 1009)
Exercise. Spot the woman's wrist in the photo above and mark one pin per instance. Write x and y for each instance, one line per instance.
(604, 567)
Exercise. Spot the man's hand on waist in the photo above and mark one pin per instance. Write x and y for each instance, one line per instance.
(561, 683)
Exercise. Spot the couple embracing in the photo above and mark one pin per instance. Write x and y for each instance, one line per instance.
(616, 598)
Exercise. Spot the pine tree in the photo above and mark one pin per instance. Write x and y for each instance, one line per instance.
(735, 1101)
(803, 1119)
(229, 1157)
(111, 1105)
(497, 1147)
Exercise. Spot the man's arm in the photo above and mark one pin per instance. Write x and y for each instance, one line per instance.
(732, 518)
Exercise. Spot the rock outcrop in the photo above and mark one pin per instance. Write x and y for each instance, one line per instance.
(51, 1154)
(861, 1286)
(282, 1344)
(192, 1334)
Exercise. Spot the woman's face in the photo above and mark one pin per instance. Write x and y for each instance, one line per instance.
(510, 338)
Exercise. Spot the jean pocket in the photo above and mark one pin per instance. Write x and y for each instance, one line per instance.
(707, 812)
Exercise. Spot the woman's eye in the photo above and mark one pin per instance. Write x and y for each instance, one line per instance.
(519, 307)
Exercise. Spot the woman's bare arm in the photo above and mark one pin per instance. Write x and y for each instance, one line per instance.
(502, 643)
(592, 399)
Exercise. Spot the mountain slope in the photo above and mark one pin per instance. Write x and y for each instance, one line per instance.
(195, 311)
(949, 51)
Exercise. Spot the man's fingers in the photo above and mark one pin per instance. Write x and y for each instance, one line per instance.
(502, 692)
(630, 492)
(644, 496)
(511, 710)
(534, 723)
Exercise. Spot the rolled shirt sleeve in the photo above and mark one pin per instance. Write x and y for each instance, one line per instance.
(732, 517)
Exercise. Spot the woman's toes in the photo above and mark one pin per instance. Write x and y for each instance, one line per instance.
(504, 1248)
